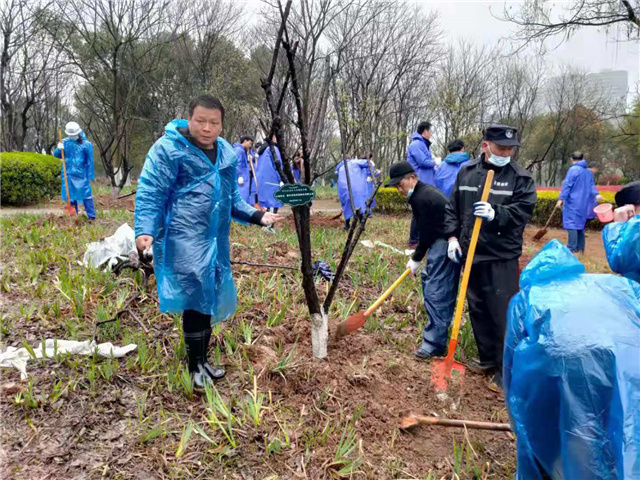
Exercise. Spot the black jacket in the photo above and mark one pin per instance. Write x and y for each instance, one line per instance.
(428, 206)
(513, 197)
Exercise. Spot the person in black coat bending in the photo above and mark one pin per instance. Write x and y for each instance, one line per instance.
(440, 276)
(494, 276)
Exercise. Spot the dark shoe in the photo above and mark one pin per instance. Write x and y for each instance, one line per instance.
(424, 355)
(495, 384)
(215, 373)
(481, 368)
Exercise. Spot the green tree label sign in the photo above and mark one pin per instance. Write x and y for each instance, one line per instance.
(295, 194)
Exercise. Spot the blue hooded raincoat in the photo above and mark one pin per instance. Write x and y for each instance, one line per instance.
(447, 171)
(622, 244)
(358, 172)
(268, 177)
(79, 159)
(578, 192)
(419, 156)
(248, 189)
(186, 204)
(571, 370)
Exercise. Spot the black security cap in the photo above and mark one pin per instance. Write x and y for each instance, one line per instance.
(629, 194)
(397, 172)
(502, 135)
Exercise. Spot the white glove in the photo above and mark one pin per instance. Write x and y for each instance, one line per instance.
(484, 210)
(378, 172)
(61, 146)
(240, 181)
(414, 266)
(369, 179)
(454, 252)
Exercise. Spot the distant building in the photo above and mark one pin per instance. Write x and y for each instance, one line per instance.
(612, 84)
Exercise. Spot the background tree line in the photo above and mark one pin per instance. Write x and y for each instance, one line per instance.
(368, 72)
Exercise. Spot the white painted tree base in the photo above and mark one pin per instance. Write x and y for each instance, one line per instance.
(319, 335)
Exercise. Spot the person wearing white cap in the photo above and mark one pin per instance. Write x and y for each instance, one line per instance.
(78, 155)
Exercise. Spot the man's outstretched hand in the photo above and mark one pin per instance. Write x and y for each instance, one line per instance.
(269, 219)
(143, 243)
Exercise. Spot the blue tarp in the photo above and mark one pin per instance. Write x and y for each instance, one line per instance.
(572, 371)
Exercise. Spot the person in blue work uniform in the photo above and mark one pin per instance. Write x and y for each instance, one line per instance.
(186, 197)
(246, 182)
(494, 276)
(576, 200)
(571, 364)
(358, 172)
(78, 156)
(447, 171)
(420, 158)
(440, 275)
(269, 180)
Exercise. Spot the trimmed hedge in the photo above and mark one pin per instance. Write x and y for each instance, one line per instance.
(390, 201)
(28, 177)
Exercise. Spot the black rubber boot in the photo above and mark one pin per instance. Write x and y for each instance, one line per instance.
(215, 372)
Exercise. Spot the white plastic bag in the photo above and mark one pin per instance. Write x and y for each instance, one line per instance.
(119, 246)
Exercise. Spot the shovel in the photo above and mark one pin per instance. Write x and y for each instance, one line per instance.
(543, 231)
(69, 210)
(441, 370)
(357, 320)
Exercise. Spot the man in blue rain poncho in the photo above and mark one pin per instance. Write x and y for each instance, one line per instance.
(576, 200)
(420, 158)
(269, 180)
(78, 156)
(447, 171)
(358, 173)
(572, 359)
(187, 196)
(246, 182)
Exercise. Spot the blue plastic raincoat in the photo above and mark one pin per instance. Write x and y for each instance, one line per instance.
(578, 191)
(622, 244)
(186, 204)
(268, 177)
(79, 159)
(372, 173)
(247, 189)
(571, 370)
(419, 156)
(447, 171)
(358, 172)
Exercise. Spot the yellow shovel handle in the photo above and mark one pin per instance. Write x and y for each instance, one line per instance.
(462, 294)
(384, 296)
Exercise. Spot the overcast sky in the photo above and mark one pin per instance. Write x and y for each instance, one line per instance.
(589, 49)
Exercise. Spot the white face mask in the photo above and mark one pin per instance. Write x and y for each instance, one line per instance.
(497, 160)
(74, 137)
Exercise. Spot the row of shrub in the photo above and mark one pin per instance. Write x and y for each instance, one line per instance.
(390, 201)
(28, 177)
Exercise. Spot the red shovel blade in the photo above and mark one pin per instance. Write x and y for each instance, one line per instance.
(69, 210)
(351, 324)
(441, 371)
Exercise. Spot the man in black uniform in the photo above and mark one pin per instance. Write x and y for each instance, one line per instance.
(494, 276)
(440, 276)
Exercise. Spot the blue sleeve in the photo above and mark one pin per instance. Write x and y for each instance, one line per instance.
(568, 183)
(90, 171)
(57, 153)
(241, 211)
(622, 246)
(422, 156)
(157, 179)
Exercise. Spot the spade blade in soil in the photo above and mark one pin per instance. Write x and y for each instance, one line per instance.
(351, 324)
(441, 372)
(69, 210)
(541, 233)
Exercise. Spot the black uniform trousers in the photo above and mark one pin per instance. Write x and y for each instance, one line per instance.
(491, 287)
